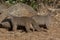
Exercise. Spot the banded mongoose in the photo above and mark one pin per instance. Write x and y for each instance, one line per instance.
(21, 14)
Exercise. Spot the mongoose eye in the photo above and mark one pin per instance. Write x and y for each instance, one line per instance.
(0, 13)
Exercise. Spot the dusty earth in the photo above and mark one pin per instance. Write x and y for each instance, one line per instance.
(53, 33)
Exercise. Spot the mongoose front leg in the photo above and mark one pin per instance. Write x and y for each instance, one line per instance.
(14, 25)
(28, 27)
(32, 27)
(36, 26)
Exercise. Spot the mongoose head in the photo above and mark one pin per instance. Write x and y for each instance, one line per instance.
(47, 12)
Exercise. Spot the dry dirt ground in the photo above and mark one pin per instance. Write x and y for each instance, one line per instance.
(53, 33)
